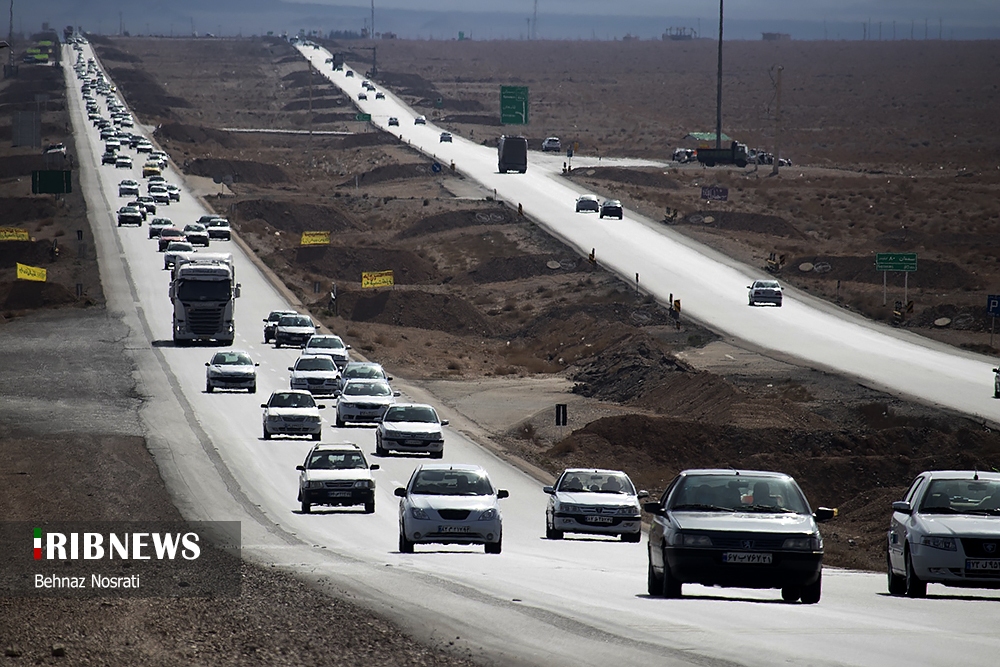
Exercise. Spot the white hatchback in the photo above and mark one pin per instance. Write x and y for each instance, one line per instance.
(946, 530)
(450, 504)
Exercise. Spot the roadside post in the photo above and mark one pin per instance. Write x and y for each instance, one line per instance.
(896, 261)
(993, 309)
(562, 418)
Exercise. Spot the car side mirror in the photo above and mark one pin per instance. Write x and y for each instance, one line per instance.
(503, 493)
(642, 494)
(321, 406)
(400, 491)
(902, 506)
(444, 422)
(374, 466)
(236, 292)
(256, 363)
(263, 405)
(336, 393)
(749, 286)
(289, 368)
(824, 514)
(653, 508)
(302, 468)
(549, 490)
(349, 347)
(207, 364)
(996, 370)
(396, 393)
(264, 320)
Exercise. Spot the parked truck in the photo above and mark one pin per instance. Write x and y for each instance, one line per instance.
(736, 153)
(203, 295)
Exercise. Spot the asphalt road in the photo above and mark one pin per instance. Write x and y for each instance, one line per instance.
(575, 602)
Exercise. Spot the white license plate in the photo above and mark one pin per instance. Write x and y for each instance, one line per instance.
(453, 529)
(339, 494)
(599, 519)
(413, 442)
(746, 558)
(982, 565)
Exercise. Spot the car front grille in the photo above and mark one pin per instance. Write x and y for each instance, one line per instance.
(454, 515)
(981, 548)
(340, 484)
(367, 406)
(748, 542)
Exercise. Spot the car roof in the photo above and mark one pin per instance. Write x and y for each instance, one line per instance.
(612, 202)
(291, 391)
(602, 471)
(357, 364)
(451, 466)
(589, 197)
(232, 352)
(322, 336)
(412, 405)
(283, 312)
(960, 474)
(313, 356)
(731, 472)
(336, 447)
(364, 380)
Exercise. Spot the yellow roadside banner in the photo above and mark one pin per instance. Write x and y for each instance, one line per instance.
(377, 279)
(14, 234)
(315, 238)
(25, 272)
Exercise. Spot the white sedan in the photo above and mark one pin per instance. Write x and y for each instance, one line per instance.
(602, 502)
(445, 503)
(410, 428)
(364, 401)
(291, 413)
(946, 530)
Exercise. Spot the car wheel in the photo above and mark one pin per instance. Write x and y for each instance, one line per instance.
(340, 422)
(405, 546)
(267, 434)
(370, 506)
(306, 507)
(791, 593)
(437, 455)
(654, 583)
(671, 587)
(551, 533)
(277, 344)
(379, 449)
(632, 537)
(494, 547)
(897, 583)
(752, 303)
(602, 216)
(779, 304)
(811, 592)
(209, 388)
(252, 389)
(915, 587)
(316, 436)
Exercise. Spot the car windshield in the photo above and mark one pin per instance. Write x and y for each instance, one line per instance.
(961, 496)
(411, 414)
(363, 372)
(204, 290)
(336, 461)
(452, 483)
(194, 228)
(161, 222)
(318, 364)
(294, 321)
(326, 342)
(291, 400)
(275, 316)
(219, 223)
(367, 389)
(767, 284)
(231, 359)
(743, 493)
(596, 482)
(179, 246)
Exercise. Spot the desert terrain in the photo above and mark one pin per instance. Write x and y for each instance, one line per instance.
(881, 163)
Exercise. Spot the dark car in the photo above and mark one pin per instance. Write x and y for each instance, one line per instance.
(271, 323)
(731, 528)
(588, 203)
(612, 208)
(109, 157)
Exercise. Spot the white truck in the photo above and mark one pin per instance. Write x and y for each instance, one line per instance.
(203, 293)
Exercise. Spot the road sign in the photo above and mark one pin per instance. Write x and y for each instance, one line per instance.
(896, 261)
(715, 193)
(363, 116)
(51, 182)
(436, 167)
(514, 105)
(993, 305)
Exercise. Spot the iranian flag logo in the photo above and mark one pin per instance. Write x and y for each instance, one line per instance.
(38, 544)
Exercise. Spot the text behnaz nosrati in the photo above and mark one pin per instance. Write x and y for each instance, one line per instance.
(127, 546)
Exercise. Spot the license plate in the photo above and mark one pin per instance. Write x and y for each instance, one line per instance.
(599, 519)
(339, 494)
(413, 442)
(746, 558)
(453, 529)
(982, 565)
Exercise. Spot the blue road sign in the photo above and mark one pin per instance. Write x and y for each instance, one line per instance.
(993, 305)
(436, 167)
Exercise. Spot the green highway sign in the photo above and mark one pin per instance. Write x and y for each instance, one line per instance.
(896, 261)
(363, 116)
(514, 105)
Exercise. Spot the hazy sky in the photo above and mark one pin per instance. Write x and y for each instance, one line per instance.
(954, 11)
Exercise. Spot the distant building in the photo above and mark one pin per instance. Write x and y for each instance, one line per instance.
(776, 36)
(678, 34)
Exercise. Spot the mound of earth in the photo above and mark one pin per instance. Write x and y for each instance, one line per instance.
(737, 221)
(472, 119)
(390, 172)
(293, 217)
(144, 94)
(930, 273)
(241, 171)
(22, 209)
(411, 85)
(333, 118)
(345, 264)
(646, 178)
(196, 134)
(442, 222)
(414, 308)
(22, 295)
(502, 269)
(22, 165)
(315, 103)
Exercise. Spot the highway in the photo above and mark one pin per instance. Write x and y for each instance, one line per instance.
(574, 602)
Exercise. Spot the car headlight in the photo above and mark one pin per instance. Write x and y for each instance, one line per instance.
(488, 515)
(364, 484)
(313, 419)
(569, 507)
(274, 418)
(685, 540)
(418, 513)
(944, 543)
(314, 485)
(811, 543)
(628, 510)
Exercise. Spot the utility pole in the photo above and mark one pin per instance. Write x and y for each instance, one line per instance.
(718, 102)
(373, 29)
(777, 126)
(310, 72)
(121, 25)
(10, 39)
(534, 23)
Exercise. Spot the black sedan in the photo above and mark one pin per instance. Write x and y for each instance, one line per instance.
(731, 528)
(612, 208)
